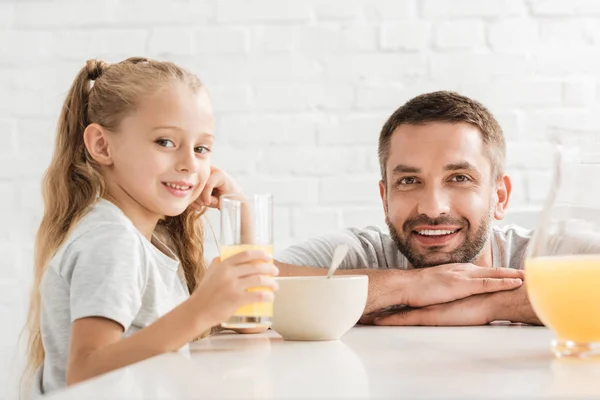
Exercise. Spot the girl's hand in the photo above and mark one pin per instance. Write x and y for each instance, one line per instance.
(224, 287)
(218, 183)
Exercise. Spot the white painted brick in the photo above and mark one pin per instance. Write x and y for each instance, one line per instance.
(315, 222)
(25, 46)
(567, 63)
(280, 69)
(236, 161)
(538, 185)
(36, 103)
(473, 8)
(361, 217)
(335, 39)
(257, 129)
(294, 191)
(303, 97)
(313, 161)
(263, 11)
(471, 67)
(68, 13)
(350, 130)
(36, 135)
(363, 190)
(7, 14)
(405, 35)
(513, 35)
(220, 41)
(557, 34)
(337, 10)
(373, 160)
(529, 155)
(518, 196)
(8, 195)
(171, 41)
(273, 39)
(62, 13)
(579, 93)
(376, 67)
(562, 8)
(30, 197)
(55, 77)
(163, 12)
(116, 44)
(390, 9)
(229, 98)
(238, 69)
(510, 122)
(223, 70)
(516, 93)
(8, 129)
(384, 97)
(459, 33)
(538, 124)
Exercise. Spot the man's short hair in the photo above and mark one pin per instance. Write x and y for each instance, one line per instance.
(444, 106)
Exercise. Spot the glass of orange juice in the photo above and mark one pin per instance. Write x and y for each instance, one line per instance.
(562, 269)
(247, 224)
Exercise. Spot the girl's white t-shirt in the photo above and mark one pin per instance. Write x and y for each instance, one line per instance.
(106, 268)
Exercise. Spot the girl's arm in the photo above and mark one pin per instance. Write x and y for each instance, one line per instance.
(96, 346)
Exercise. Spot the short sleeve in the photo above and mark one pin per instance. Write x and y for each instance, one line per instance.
(105, 272)
(318, 252)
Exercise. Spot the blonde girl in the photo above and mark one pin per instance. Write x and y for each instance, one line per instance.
(119, 270)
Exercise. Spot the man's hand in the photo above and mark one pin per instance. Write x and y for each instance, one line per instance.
(479, 309)
(436, 285)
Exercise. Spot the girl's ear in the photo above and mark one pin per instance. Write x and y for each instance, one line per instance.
(95, 138)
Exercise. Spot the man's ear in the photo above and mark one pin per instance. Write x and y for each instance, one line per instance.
(503, 190)
(383, 195)
(95, 138)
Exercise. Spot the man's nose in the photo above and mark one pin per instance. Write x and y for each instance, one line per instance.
(434, 203)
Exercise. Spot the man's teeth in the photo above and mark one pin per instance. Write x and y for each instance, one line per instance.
(435, 232)
(177, 186)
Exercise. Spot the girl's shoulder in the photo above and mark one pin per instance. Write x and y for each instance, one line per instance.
(105, 232)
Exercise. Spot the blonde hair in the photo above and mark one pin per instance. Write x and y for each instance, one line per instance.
(102, 94)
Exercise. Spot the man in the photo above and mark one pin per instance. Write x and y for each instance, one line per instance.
(443, 262)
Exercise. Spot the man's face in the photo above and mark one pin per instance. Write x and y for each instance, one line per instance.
(440, 196)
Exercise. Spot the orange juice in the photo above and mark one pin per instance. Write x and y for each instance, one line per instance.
(253, 314)
(565, 293)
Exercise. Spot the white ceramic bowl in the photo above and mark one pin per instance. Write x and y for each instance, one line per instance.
(317, 308)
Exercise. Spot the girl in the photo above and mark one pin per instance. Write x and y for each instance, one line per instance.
(119, 271)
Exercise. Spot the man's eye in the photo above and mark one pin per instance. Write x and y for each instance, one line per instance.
(165, 143)
(407, 181)
(460, 178)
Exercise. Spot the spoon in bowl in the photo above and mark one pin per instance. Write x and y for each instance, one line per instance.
(338, 256)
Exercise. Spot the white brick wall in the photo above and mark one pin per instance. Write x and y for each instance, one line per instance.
(300, 88)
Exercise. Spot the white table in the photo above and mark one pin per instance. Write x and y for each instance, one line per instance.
(369, 362)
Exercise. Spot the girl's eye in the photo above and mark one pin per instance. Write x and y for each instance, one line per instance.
(202, 150)
(165, 143)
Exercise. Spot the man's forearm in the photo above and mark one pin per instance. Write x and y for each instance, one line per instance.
(514, 306)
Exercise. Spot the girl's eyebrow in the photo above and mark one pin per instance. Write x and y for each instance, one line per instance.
(176, 128)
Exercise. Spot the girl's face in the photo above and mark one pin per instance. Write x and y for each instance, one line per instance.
(161, 153)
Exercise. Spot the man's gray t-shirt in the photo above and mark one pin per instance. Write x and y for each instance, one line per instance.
(373, 248)
(105, 268)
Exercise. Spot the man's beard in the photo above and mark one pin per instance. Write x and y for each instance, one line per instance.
(467, 252)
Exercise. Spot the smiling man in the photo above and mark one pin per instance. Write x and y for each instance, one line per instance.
(442, 184)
